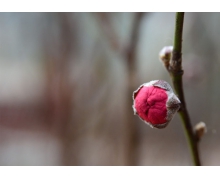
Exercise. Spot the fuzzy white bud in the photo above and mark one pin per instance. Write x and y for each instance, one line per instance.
(165, 55)
(200, 130)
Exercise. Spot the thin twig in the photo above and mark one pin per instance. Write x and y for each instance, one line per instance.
(176, 72)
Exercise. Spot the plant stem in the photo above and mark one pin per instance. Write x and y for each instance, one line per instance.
(176, 72)
(178, 31)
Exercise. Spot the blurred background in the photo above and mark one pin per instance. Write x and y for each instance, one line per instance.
(66, 82)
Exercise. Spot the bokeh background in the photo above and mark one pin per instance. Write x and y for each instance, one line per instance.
(66, 81)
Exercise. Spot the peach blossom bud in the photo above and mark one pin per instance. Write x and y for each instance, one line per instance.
(200, 130)
(165, 55)
(155, 103)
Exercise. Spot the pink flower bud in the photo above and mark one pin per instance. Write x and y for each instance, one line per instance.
(155, 103)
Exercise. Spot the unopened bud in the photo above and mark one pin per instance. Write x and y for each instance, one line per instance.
(200, 130)
(165, 55)
(155, 103)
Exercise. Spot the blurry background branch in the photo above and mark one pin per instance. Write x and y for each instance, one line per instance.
(59, 90)
(129, 52)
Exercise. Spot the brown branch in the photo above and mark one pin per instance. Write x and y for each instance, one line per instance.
(131, 66)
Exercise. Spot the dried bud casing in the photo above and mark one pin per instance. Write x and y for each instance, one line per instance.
(155, 103)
